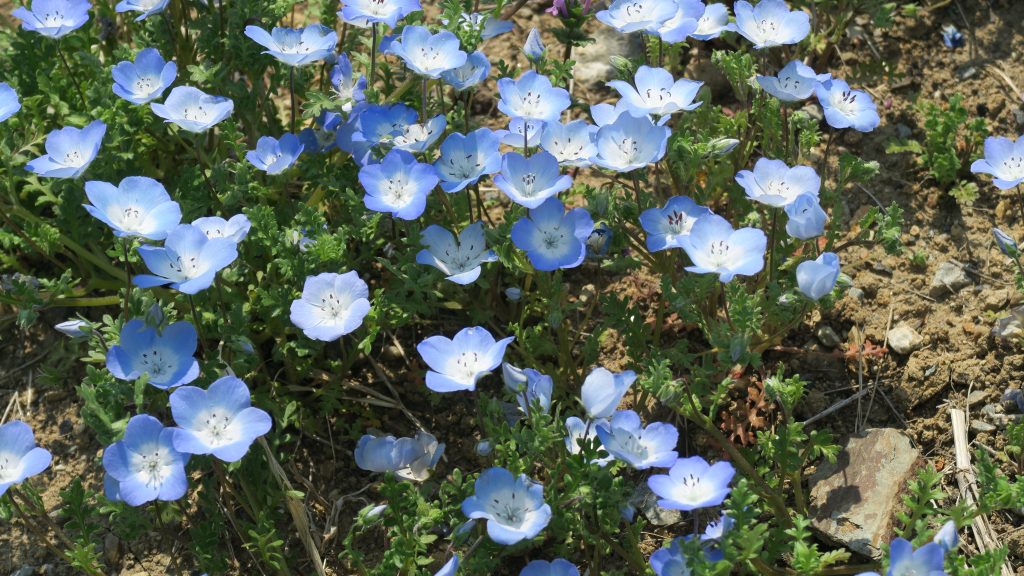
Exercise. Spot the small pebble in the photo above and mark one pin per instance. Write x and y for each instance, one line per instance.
(981, 426)
(976, 397)
(827, 336)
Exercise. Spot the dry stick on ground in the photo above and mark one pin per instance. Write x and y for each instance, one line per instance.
(984, 535)
(878, 373)
(297, 509)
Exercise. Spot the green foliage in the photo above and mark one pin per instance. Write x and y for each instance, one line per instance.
(950, 141)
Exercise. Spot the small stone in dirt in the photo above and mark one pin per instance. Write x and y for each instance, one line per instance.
(1018, 115)
(593, 67)
(976, 397)
(949, 278)
(647, 503)
(112, 549)
(24, 571)
(991, 411)
(981, 426)
(903, 131)
(853, 502)
(882, 268)
(903, 339)
(855, 293)
(966, 73)
(827, 336)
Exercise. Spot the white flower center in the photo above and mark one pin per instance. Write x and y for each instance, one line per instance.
(215, 428)
(528, 188)
(778, 188)
(196, 113)
(511, 511)
(150, 465)
(791, 83)
(631, 444)
(129, 219)
(692, 490)
(464, 259)
(1013, 167)
(657, 95)
(465, 366)
(636, 11)
(55, 18)
(156, 363)
(718, 254)
(396, 190)
(10, 466)
(766, 29)
(144, 86)
(629, 148)
(73, 158)
(845, 102)
(334, 306)
(463, 167)
(680, 223)
(412, 134)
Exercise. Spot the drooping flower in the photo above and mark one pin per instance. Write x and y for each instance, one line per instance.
(666, 227)
(145, 466)
(188, 261)
(671, 561)
(847, 108)
(657, 92)
(74, 329)
(603, 390)
(553, 238)
(692, 483)
(137, 207)
(532, 97)
(347, 87)
(715, 248)
(19, 457)
(1007, 245)
(474, 71)
(572, 144)
(331, 306)
(275, 155)
(714, 21)
(533, 391)
(69, 151)
(418, 138)
(363, 13)
(630, 142)
(530, 181)
(460, 260)
(450, 567)
(409, 458)
(638, 15)
(235, 228)
(9, 103)
(795, 82)
(146, 7)
(599, 240)
(625, 438)
(771, 23)
(557, 567)
(428, 54)
(775, 184)
(579, 432)
(53, 18)
(219, 420)
(167, 358)
(512, 505)
(816, 278)
(533, 49)
(145, 79)
(947, 537)
(295, 46)
(1004, 159)
(192, 109)
(927, 560)
(684, 23)
(457, 364)
(465, 158)
(806, 217)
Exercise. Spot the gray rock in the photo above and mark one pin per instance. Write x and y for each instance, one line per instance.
(903, 339)
(24, 571)
(903, 131)
(855, 293)
(854, 501)
(593, 65)
(1018, 115)
(982, 426)
(827, 336)
(647, 503)
(990, 411)
(949, 278)
(976, 397)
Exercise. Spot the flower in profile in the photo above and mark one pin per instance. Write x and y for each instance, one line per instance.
(670, 561)
(399, 185)
(53, 18)
(534, 47)
(450, 567)
(465, 158)
(581, 432)
(532, 97)
(638, 15)
(417, 138)
(236, 228)
(1007, 245)
(74, 329)
(219, 420)
(409, 458)
(331, 306)
(775, 184)
(603, 390)
(806, 217)
(599, 241)
(630, 142)
(715, 248)
(557, 567)
(188, 261)
(145, 79)
(625, 438)
(323, 135)
(347, 87)
(534, 391)
(472, 72)
(714, 21)
(795, 82)
(928, 560)
(192, 109)
(771, 23)
(692, 483)
(1004, 160)
(428, 54)
(718, 528)
(459, 259)
(572, 144)
(19, 456)
(666, 227)
(9, 103)
(512, 505)
(363, 13)
(553, 238)
(847, 108)
(684, 23)
(137, 207)
(296, 46)
(167, 358)
(146, 7)
(530, 181)
(657, 92)
(816, 278)
(275, 155)
(145, 466)
(947, 537)
(457, 364)
(69, 151)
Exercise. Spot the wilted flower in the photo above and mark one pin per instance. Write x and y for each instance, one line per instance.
(9, 104)
(572, 144)
(557, 567)
(363, 13)
(398, 185)
(146, 7)
(657, 92)
(295, 46)
(603, 390)
(715, 248)
(409, 458)
(817, 278)
(630, 142)
(806, 217)
(465, 158)
(795, 82)
(331, 305)
(137, 207)
(275, 155)
(534, 47)
(532, 97)
(236, 228)
(1004, 159)
(638, 15)
(692, 483)
(69, 151)
(771, 23)
(219, 420)
(19, 457)
(847, 108)
(188, 261)
(475, 70)
(775, 184)
(513, 506)
(192, 109)
(145, 466)
(666, 227)
(428, 54)
(1007, 245)
(530, 181)
(714, 21)
(551, 237)
(145, 79)
(167, 358)
(952, 37)
(459, 259)
(457, 364)
(53, 18)
(625, 438)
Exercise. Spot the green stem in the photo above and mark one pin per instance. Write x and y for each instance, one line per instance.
(373, 56)
(71, 75)
(291, 89)
(127, 278)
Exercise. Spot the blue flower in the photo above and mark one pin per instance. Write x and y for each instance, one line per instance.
(806, 217)
(603, 390)
(167, 357)
(683, 23)
(53, 18)
(1007, 245)
(19, 456)
(460, 259)
(656, 92)
(409, 458)
(572, 144)
(219, 420)
(795, 82)
(670, 561)
(472, 72)
(417, 138)
(69, 151)
(512, 505)
(488, 26)
(599, 240)
(533, 49)
(947, 537)
(718, 528)
(275, 155)
(532, 97)
(692, 483)
(428, 54)
(714, 21)
(846, 108)
(147, 7)
(771, 23)
(9, 104)
(347, 87)
(137, 207)
(630, 142)
(296, 46)
(145, 466)
(638, 15)
(188, 261)
(585, 433)
(715, 248)
(399, 185)
(530, 181)
(331, 306)
(363, 13)
(905, 561)
(1004, 159)
(192, 109)
(323, 136)
(457, 364)
(666, 227)
(145, 79)
(450, 567)
(817, 278)
(379, 126)
(952, 37)
(625, 438)
(235, 229)
(521, 131)
(533, 391)
(74, 329)
(465, 158)
(557, 567)
(553, 238)
(775, 184)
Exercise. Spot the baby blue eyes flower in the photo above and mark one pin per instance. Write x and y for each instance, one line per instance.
(603, 390)
(69, 151)
(450, 567)
(656, 92)
(457, 364)
(585, 433)
(806, 217)
(146, 7)
(473, 72)
(167, 357)
(296, 46)
(638, 15)
(557, 567)
(952, 37)
(145, 466)
(692, 483)
(683, 23)
(1004, 159)
(460, 259)
(465, 158)
(409, 458)
(846, 108)
(927, 560)
(219, 420)
(795, 82)
(74, 329)
(532, 97)
(625, 438)
(323, 136)
(417, 138)
(512, 505)
(522, 131)
(666, 227)
(530, 181)
(188, 261)
(817, 278)
(771, 23)
(572, 144)
(137, 207)
(1007, 245)
(236, 228)
(331, 306)
(9, 104)
(714, 21)
(53, 18)
(399, 185)
(534, 47)
(19, 456)
(363, 13)
(630, 142)
(428, 54)
(670, 561)
(145, 79)
(534, 391)
(775, 184)
(192, 109)
(552, 238)
(947, 537)
(488, 26)
(275, 155)
(715, 248)
(347, 87)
